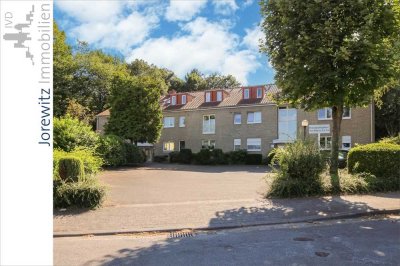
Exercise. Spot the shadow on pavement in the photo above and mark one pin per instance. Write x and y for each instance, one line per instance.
(174, 251)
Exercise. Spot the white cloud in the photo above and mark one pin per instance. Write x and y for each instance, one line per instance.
(225, 7)
(110, 24)
(184, 10)
(247, 3)
(252, 38)
(210, 47)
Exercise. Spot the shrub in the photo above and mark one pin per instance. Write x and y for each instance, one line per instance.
(237, 157)
(379, 159)
(91, 162)
(134, 155)
(300, 166)
(174, 157)
(86, 194)
(71, 169)
(391, 140)
(254, 159)
(185, 156)
(70, 133)
(160, 158)
(203, 156)
(112, 150)
(218, 157)
(270, 157)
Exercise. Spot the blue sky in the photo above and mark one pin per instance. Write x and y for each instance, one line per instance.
(210, 35)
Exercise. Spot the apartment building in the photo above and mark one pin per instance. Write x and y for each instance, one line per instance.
(248, 118)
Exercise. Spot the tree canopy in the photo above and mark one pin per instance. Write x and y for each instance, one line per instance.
(331, 54)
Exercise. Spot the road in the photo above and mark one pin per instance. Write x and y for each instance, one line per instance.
(362, 241)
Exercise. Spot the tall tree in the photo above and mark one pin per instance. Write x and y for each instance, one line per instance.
(387, 114)
(216, 80)
(194, 81)
(63, 71)
(330, 53)
(135, 112)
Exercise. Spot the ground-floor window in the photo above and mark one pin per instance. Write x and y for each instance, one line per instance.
(237, 144)
(208, 144)
(346, 142)
(254, 144)
(325, 142)
(169, 146)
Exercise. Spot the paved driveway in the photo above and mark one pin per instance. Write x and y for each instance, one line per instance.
(173, 183)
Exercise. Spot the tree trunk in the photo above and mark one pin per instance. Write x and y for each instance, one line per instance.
(337, 113)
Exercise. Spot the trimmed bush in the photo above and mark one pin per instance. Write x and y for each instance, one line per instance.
(174, 157)
(185, 156)
(237, 157)
(160, 158)
(111, 148)
(379, 159)
(254, 159)
(203, 157)
(134, 155)
(92, 164)
(391, 140)
(300, 167)
(71, 169)
(218, 157)
(87, 194)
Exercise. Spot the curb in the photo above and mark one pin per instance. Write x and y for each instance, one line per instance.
(293, 221)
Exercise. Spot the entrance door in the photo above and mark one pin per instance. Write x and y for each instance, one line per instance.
(182, 144)
(287, 124)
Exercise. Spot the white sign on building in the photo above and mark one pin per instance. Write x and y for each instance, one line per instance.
(319, 129)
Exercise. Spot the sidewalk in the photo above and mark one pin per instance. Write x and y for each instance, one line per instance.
(218, 214)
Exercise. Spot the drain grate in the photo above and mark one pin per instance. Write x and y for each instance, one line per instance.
(181, 234)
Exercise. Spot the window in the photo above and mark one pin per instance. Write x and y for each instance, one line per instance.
(326, 113)
(183, 99)
(246, 93)
(182, 145)
(346, 142)
(253, 117)
(208, 97)
(254, 144)
(181, 121)
(209, 124)
(169, 122)
(237, 144)
(287, 124)
(237, 119)
(169, 146)
(259, 92)
(325, 143)
(208, 144)
(219, 96)
(173, 100)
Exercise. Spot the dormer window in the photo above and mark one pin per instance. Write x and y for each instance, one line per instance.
(173, 100)
(246, 94)
(183, 99)
(259, 93)
(219, 96)
(208, 97)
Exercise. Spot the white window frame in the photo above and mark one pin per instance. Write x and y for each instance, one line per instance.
(168, 144)
(325, 148)
(219, 96)
(259, 90)
(183, 99)
(328, 109)
(246, 94)
(254, 118)
(346, 139)
(237, 142)
(208, 143)
(208, 97)
(182, 121)
(173, 100)
(169, 118)
(234, 118)
(211, 128)
(252, 144)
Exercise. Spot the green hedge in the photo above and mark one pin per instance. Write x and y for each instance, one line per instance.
(71, 169)
(237, 157)
(87, 194)
(184, 156)
(379, 159)
(254, 159)
(134, 155)
(111, 148)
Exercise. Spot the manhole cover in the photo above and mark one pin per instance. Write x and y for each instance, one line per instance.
(303, 239)
(322, 254)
